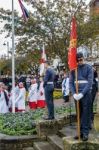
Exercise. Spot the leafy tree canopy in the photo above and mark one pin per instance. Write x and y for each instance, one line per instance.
(49, 23)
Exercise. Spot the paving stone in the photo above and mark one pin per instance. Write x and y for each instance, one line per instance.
(28, 148)
(71, 144)
(43, 146)
(56, 142)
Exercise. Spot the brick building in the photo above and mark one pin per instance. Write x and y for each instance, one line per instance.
(94, 7)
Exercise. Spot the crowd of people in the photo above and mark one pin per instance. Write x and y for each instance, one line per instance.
(35, 96)
(27, 88)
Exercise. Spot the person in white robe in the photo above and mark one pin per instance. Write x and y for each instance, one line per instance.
(41, 95)
(20, 100)
(17, 90)
(3, 102)
(32, 96)
(65, 88)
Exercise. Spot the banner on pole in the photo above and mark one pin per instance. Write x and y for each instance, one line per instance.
(72, 61)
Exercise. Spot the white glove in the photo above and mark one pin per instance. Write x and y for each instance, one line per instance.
(80, 95)
(75, 96)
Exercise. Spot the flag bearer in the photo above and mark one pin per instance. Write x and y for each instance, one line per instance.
(85, 79)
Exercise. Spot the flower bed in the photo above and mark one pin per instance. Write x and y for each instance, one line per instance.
(25, 123)
(19, 123)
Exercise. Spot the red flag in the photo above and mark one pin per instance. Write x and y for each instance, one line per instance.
(72, 62)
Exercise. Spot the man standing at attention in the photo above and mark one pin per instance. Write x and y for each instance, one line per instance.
(49, 88)
(85, 79)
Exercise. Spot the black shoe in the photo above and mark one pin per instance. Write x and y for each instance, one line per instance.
(85, 138)
(76, 137)
(49, 118)
(90, 128)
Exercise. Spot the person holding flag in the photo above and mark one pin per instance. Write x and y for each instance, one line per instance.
(41, 94)
(81, 78)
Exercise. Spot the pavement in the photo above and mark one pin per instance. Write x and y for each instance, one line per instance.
(59, 103)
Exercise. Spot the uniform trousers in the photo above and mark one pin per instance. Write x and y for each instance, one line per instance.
(49, 88)
(85, 113)
(94, 91)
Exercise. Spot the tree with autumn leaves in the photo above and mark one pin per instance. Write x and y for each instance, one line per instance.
(50, 24)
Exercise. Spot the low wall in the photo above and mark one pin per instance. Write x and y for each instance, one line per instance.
(70, 144)
(44, 128)
(96, 122)
(16, 142)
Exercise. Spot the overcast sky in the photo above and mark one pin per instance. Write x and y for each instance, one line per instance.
(7, 4)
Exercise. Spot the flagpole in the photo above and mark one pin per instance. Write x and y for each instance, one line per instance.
(73, 65)
(13, 60)
(77, 106)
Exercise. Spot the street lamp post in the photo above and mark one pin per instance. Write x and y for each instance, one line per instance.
(13, 60)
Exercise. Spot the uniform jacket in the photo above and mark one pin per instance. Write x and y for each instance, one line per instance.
(49, 76)
(85, 73)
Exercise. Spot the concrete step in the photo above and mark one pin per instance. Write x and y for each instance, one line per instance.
(56, 142)
(44, 145)
(28, 148)
(67, 131)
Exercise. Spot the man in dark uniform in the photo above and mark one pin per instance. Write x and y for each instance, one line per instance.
(85, 79)
(49, 88)
(94, 91)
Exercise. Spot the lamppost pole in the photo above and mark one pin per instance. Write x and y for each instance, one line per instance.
(13, 60)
